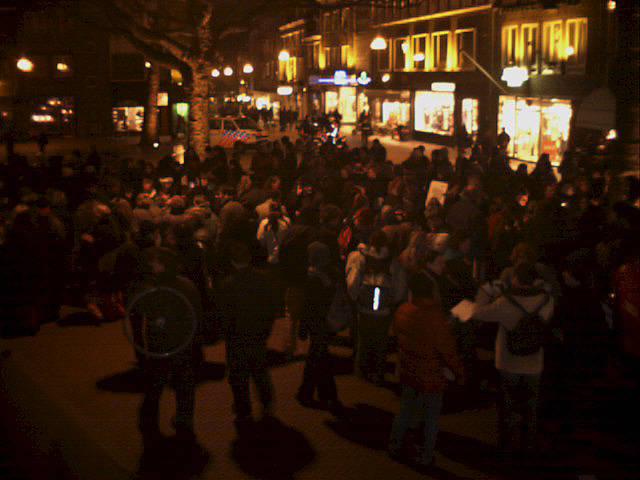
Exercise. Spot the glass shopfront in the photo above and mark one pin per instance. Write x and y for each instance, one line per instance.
(396, 113)
(344, 100)
(470, 115)
(434, 112)
(128, 119)
(536, 126)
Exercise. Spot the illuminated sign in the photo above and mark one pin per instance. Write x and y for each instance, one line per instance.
(515, 76)
(285, 90)
(340, 78)
(364, 79)
(443, 87)
(163, 99)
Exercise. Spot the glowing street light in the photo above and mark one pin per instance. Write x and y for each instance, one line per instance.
(147, 64)
(378, 43)
(285, 90)
(612, 135)
(228, 71)
(62, 67)
(569, 51)
(215, 73)
(611, 5)
(248, 68)
(284, 56)
(515, 76)
(25, 65)
(386, 77)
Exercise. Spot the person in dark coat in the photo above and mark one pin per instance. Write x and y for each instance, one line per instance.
(247, 325)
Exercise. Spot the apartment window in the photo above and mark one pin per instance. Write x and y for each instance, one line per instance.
(316, 55)
(345, 51)
(336, 20)
(551, 43)
(380, 59)
(576, 41)
(440, 50)
(419, 51)
(530, 46)
(401, 53)
(466, 42)
(346, 17)
(509, 45)
(326, 21)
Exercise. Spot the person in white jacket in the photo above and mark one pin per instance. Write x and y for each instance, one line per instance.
(271, 232)
(519, 374)
(377, 283)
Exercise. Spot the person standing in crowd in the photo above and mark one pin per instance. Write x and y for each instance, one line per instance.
(319, 290)
(377, 283)
(161, 270)
(522, 314)
(248, 314)
(427, 357)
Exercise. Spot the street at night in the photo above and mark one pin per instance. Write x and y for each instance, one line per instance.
(309, 239)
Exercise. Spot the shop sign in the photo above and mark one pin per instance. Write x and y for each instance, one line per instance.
(285, 90)
(443, 87)
(340, 78)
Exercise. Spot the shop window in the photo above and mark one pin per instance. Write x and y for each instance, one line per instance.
(551, 44)
(440, 50)
(330, 101)
(434, 112)
(419, 51)
(466, 42)
(127, 119)
(396, 113)
(470, 115)
(530, 46)
(576, 42)
(509, 45)
(536, 126)
(54, 115)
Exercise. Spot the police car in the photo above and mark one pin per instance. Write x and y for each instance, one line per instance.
(226, 131)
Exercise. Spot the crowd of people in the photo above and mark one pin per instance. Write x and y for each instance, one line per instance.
(343, 240)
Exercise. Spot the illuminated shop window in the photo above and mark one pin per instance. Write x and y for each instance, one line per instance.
(470, 115)
(127, 119)
(434, 112)
(396, 113)
(536, 126)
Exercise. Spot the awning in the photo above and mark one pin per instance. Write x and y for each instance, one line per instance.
(597, 111)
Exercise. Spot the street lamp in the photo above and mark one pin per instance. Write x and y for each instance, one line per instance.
(147, 64)
(63, 67)
(386, 77)
(228, 71)
(25, 65)
(569, 51)
(215, 73)
(515, 76)
(378, 43)
(283, 56)
(248, 68)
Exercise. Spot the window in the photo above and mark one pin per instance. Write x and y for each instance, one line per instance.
(326, 21)
(440, 50)
(470, 115)
(509, 45)
(401, 54)
(466, 42)
(530, 46)
(551, 42)
(345, 60)
(346, 17)
(380, 59)
(62, 66)
(419, 51)
(576, 41)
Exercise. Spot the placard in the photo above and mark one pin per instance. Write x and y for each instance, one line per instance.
(437, 190)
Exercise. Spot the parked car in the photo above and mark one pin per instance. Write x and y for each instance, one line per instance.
(226, 131)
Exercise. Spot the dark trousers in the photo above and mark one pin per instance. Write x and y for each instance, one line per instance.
(372, 346)
(318, 371)
(180, 370)
(520, 395)
(246, 359)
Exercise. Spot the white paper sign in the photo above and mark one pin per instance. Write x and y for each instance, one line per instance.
(437, 190)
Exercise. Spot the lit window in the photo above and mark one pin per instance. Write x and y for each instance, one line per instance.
(345, 60)
(470, 115)
(440, 50)
(551, 44)
(530, 46)
(466, 42)
(576, 41)
(401, 54)
(509, 45)
(419, 46)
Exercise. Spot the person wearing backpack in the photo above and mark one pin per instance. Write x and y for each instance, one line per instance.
(523, 313)
(377, 284)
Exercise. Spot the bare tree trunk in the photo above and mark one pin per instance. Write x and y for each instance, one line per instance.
(150, 128)
(199, 114)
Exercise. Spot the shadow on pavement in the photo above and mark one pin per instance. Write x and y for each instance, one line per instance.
(171, 459)
(365, 425)
(133, 380)
(271, 450)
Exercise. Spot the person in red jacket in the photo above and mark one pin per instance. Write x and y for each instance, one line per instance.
(427, 349)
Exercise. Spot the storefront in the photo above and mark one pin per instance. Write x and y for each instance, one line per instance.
(127, 119)
(388, 108)
(536, 126)
(344, 100)
(434, 112)
(54, 115)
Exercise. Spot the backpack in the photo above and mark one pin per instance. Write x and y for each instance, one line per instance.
(529, 334)
(375, 296)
